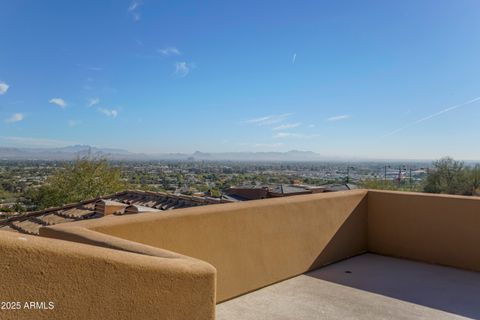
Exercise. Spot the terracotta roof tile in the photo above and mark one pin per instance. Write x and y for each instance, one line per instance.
(50, 219)
(7, 228)
(26, 226)
(76, 213)
(138, 201)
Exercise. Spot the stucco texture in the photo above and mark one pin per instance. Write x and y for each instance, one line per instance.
(438, 229)
(176, 265)
(87, 282)
(251, 244)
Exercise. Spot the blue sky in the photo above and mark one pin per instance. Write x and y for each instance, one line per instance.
(377, 79)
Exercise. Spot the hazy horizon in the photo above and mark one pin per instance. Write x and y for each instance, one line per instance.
(281, 156)
(367, 80)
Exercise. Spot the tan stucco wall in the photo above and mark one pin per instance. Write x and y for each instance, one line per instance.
(251, 244)
(438, 229)
(88, 282)
(145, 266)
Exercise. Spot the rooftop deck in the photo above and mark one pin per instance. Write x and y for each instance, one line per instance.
(347, 255)
(366, 287)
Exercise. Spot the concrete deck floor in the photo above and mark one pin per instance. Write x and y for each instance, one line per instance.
(364, 287)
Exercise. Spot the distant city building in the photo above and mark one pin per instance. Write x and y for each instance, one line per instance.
(282, 190)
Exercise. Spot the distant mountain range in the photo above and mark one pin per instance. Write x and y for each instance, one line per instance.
(64, 153)
(72, 152)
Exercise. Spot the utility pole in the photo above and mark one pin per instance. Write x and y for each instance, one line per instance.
(411, 184)
(400, 169)
(386, 166)
(348, 173)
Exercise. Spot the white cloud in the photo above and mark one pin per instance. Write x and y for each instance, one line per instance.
(287, 135)
(283, 135)
(58, 102)
(134, 5)
(294, 58)
(93, 101)
(74, 123)
(37, 142)
(311, 126)
(16, 117)
(133, 9)
(287, 126)
(169, 51)
(269, 120)
(182, 69)
(3, 88)
(109, 112)
(433, 115)
(339, 118)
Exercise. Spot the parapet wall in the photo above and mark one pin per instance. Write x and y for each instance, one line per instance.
(176, 265)
(251, 244)
(438, 229)
(77, 281)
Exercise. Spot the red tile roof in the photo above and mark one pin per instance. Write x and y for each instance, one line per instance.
(136, 201)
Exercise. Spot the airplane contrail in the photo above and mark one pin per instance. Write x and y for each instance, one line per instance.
(433, 115)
